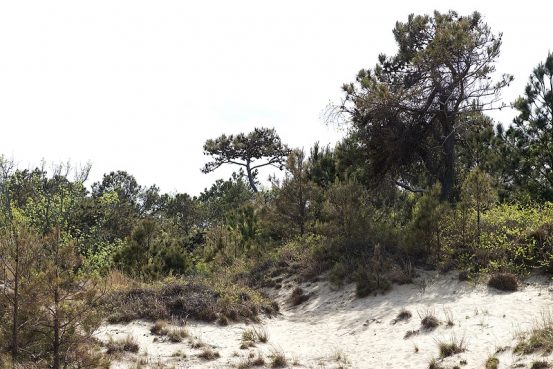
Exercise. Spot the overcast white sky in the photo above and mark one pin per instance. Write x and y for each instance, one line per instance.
(140, 85)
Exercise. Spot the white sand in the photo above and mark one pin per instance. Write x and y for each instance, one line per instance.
(362, 330)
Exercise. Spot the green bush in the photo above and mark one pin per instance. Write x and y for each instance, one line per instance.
(421, 239)
(338, 274)
(513, 238)
(367, 282)
(503, 282)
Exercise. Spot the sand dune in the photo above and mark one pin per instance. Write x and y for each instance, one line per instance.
(334, 329)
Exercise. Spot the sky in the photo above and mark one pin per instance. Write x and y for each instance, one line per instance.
(140, 85)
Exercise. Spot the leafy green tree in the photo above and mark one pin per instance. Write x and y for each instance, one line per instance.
(408, 108)
(322, 165)
(184, 211)
(152, 252)
(346, 211)
(120, 182)
(19, 252)
(476, 144)
(295, 196)
(124, 208)
(530, 140)
(245, 223)
(151, 201)
(223, 198)
(38, 246)
(478, 193)
(260, 148)
(422, 237)
(71, 299)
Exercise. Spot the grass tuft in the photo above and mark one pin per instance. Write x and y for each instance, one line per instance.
(209, 354)
(278, 359)
(402, 316)
(503, 282)
(128, 344)
(452, 347)
(253, 335)
(540, 364)
(492, 363)
(298, 296)
(429, 320)
(540, 338)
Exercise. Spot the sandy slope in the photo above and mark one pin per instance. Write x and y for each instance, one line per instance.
(336, 324)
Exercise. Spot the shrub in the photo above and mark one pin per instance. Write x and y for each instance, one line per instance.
(429, 322)
(540, 365)
(176, 335)
(251, 362)
(209, 354)
(420, 241)
(278, 360)
(127, 344)
(248, 335)
(159, 328)
(338, 274)
(540, 338)
(402, 315)
(452, 347)
(253, 335)
(262, 335)
(433, 364)
(258, 361)
(298, 296)
(307, 256)
(410, 333)
(367, 282)
(448, 317)
(503, 282)
(198, 299)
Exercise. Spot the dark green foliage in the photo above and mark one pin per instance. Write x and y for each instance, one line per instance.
(322, 166)
(503, 282)
(347, 211)
(224, 197)
(371, 278)
(407, 109)
(422, 240)
(245, 224)
(296, 196)
(338, 273)
(463, 276)
(149, 253)
(369, 210)
(530, 140)
(49, 300)
(245, 150)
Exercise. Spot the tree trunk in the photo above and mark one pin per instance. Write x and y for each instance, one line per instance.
(448, 178)
(56, 344)
(15, 321)
(251, 180)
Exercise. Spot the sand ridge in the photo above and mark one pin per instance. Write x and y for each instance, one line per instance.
(334, 329)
